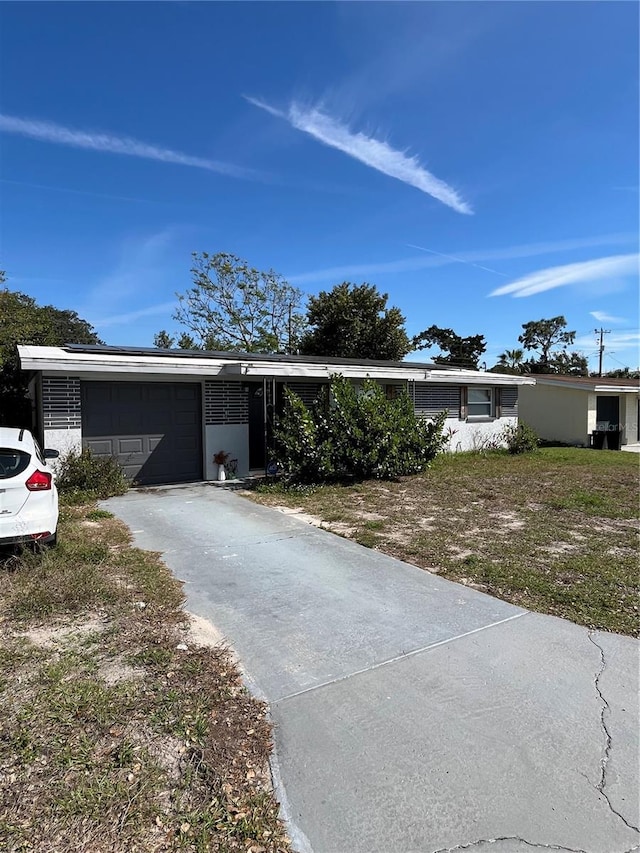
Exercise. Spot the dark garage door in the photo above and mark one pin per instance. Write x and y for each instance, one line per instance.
(153, 428)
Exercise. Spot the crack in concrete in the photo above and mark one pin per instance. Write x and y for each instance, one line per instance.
(532, 844)
(607, 737)
(605, 707)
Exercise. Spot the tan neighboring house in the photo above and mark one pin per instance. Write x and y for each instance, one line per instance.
(581, 410)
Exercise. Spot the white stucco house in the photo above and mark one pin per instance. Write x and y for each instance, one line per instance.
(165, 413)
(578, 410)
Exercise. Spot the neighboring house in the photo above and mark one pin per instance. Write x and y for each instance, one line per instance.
(572, 408)
(165, 413)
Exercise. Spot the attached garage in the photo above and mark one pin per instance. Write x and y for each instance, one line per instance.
(153, 428)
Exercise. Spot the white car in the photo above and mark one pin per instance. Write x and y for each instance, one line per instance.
(28, 494)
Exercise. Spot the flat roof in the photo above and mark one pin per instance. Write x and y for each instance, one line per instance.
(96, 362)
(588, 383)
(237, 355)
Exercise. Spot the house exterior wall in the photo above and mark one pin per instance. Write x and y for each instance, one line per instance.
(226, 419)
(232, 439)
(629, 418)
(225, 411)
(475, 435)
(558, 413)
(60, 414)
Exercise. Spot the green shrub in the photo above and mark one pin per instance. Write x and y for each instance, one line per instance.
(302, 445)
(86, 476)
(520, 438)
(351, 434)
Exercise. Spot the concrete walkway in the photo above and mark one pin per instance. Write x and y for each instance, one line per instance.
(411, 713)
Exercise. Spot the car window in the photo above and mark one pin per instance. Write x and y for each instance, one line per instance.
(12, 462)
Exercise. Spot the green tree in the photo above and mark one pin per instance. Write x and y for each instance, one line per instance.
(511, 361)
(455, 351)
(163, 340)
(512, 358)
(23, 321)
(549, 340)
(233, 306)
(569, 363)
(543, 337)
(621, 373)
(353, 321)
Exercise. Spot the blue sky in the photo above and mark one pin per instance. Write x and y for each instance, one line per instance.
(476, 161)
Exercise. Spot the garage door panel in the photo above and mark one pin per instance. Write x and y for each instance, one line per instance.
(154, 429)
(162, 394)
(187, 392)
(130, 445)
(186, 444)
(102, 447)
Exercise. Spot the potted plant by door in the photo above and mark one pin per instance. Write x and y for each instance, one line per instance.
(221, 458)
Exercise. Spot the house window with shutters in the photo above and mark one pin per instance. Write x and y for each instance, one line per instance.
(481, 403)
(430, 400)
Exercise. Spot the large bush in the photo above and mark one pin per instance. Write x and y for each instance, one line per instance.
(84, 475)
(520, 438)
(352, 433)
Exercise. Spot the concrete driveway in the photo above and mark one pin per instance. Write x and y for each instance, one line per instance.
(411, 713)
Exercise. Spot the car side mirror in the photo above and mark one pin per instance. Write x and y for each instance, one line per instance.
(51, 454)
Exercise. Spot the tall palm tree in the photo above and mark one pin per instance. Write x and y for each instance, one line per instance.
(512, 358)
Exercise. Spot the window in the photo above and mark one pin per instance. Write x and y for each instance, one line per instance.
(12, 462)
(480, 403)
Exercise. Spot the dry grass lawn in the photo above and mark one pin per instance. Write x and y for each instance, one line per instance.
(117, 731)
(554, 531)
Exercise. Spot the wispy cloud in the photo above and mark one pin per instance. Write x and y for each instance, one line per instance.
(456, 260)
(585, 271)
(89, 193)
(46, 131)
(131, 316)
(368, 150)
(603, 317)
(439, 259)
(144, 271)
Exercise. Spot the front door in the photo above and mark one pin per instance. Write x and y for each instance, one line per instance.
(256, 425)
(262, 416)
(608, 412)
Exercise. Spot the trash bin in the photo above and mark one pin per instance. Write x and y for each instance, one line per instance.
(614, 438)
(597, 439)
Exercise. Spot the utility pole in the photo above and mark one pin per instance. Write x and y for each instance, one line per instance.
(602, 332)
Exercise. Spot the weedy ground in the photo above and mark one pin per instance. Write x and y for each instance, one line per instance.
(555, 530)
(117, 731)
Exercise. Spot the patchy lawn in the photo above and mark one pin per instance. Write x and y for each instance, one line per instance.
(554, 531)
(117, 731)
